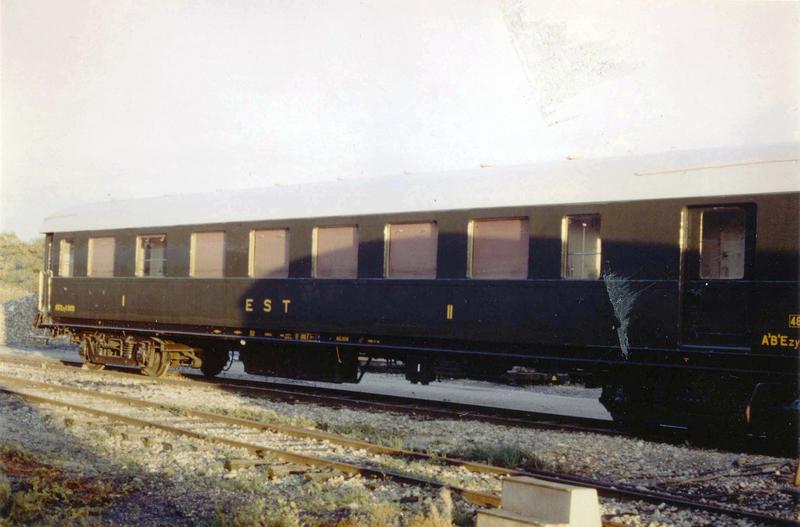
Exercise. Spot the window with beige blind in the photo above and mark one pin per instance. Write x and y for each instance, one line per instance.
(207, 254)
(101, 257)
(269, 253)
(66, 258)
(410, 250)
(151, 255)
(335, 252)
(498, 248)
(722, 243)
(581, 246)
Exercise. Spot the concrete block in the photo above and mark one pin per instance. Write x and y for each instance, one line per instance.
(503, 518)
(551, 503)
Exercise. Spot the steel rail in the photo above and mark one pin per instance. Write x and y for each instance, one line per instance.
(431, 408)
(426, 407)
(611, 490)
(503, 416)
(481, 499)
(605, 489)
(450, 410)
(295, 431)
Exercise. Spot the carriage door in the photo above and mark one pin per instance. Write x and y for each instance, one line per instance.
(45, 274)
(716, 269)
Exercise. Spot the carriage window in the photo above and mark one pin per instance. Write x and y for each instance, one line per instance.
(269, 253)
(66, 258)
(581, 246)
(207, 254)
(411, 250)
(101, 257)
(722, 245)
(151, 255)
(335, 252)
(498, 248)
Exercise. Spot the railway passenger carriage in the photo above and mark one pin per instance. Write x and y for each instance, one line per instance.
(671, 280)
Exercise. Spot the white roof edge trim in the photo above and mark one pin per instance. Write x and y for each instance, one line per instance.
(766, 169)
(716, 167)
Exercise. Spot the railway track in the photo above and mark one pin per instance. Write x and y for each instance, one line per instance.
(258, 438)
(191, 419)
(433, 409)
(387, 403)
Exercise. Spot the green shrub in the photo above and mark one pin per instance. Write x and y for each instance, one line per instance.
(20, 263)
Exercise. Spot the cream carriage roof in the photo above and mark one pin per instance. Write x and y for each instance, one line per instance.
(678, 174)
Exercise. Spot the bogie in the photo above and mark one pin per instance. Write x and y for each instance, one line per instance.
(152, 355)
(156, 363)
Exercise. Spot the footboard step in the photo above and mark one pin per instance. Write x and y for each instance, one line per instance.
(530, 502)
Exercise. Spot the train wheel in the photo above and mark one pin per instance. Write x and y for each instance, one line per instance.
(95, 366)
(157, 364)
(214, 362)
(419, 370)
(84, 352)
(630, 409)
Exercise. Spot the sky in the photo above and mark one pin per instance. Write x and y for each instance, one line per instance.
(112, 99)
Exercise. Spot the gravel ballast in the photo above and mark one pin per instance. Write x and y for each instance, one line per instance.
(752, 481)
(16, 322)
(175, 480)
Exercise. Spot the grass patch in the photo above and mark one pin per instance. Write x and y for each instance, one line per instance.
(508, 456)
(257, 513)
(33, 492)
(340, 503)
(463, 517)
(365, 432)
(436, 513)
(176, 411)
(327, 504)
(263, 416)
(5, 493)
